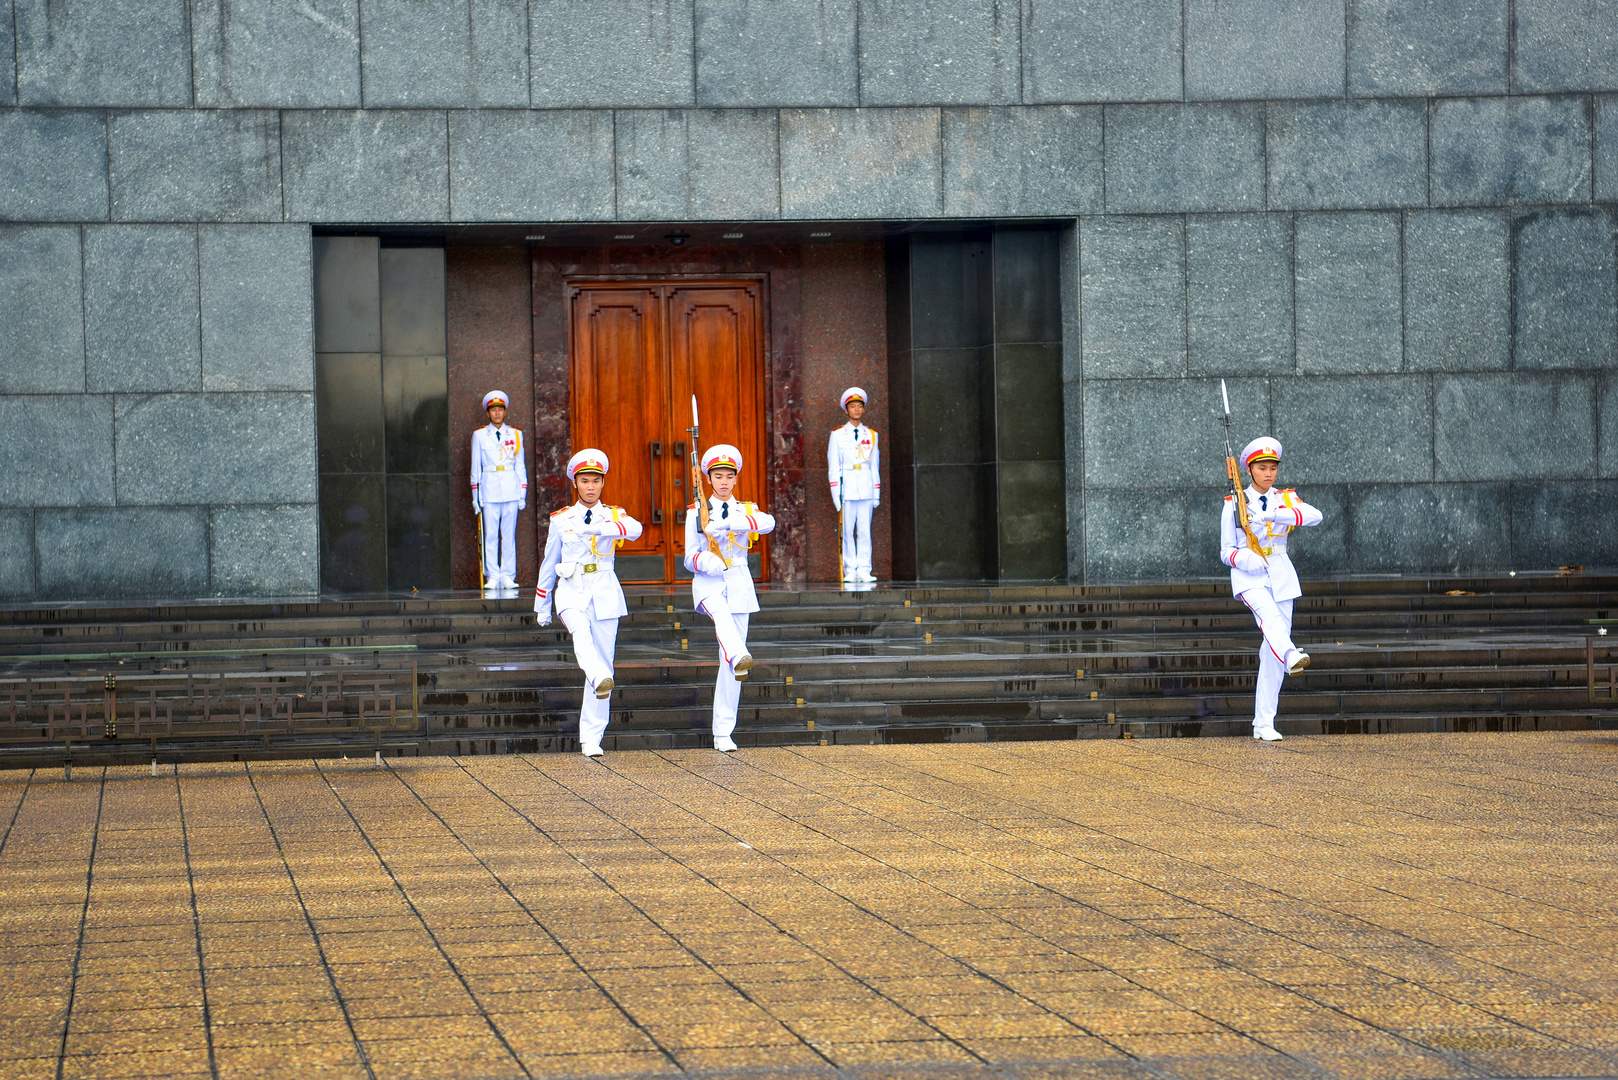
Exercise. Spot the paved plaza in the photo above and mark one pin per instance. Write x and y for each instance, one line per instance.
(1355, 907)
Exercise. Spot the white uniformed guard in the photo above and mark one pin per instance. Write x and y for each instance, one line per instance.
(577, 577)
(725, 593)
(1265, 580)
(854, 470)
(500, 487)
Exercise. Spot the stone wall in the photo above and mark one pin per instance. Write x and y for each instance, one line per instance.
(1390, 222)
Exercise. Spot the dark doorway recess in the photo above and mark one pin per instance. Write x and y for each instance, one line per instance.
(381, 406)
(975, 385)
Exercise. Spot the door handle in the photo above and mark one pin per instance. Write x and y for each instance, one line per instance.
(657, 449)
(679, 450)
(679, 517)
(657, 517)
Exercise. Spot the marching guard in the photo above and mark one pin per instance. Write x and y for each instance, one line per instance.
(722, 583)
(1261, 574)
(853, 468)
(577, 577)
(499, 491)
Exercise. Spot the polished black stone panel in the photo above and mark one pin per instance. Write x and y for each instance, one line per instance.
(415, 407)
(353, 533)
(1032, 519)
(955, 522)
(1028, 402)
(950, 290)
(1027, 294)
(348, 412)
(412, 301)
(948, 407)
(418, 531)
(348, 294)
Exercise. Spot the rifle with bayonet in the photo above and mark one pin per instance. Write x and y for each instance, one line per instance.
(1235, 474)
(697, 489)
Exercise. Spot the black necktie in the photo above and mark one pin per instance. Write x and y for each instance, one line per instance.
(856, 433)
(1263, 503)
(587, 516)
(724, 510)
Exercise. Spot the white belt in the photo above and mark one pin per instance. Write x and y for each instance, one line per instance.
(856, 468)
(500, 468)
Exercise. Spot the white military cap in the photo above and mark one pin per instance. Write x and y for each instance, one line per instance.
(591, 460)
(1262, 448)
(722, 455)
(849, 395)
(496, 397)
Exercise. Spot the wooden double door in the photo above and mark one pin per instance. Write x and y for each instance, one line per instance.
(638, 351)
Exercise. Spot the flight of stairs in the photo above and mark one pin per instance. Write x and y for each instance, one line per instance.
(936, 662)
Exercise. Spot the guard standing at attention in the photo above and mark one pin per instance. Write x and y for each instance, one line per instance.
(1261, 574)
(577, 577)
(853, 467)
(499, 489)
(722, 582)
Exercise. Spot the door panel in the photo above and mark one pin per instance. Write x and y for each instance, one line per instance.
(619, 392)
(639, 351)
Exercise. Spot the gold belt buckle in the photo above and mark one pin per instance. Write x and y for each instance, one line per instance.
(499, 468)
(590, 568)
(857, 468)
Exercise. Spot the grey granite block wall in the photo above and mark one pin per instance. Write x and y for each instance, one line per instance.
(1457, 291)
(855, 163)
(1175, 158)
(510, 165)
(605, 53)
(1350, 304)
(250, 54)
(204, 165)
(1393, 217)
(1566, 45)
(373, 165)
(1258, 49)
(940, 52)
(1399, 48)
(789, 53)
(698, 164)
(1239, 290)
(1501, 151)
(111, 52)
(122, 551)
(447, 53)
(1101, 52)
(41, 310)
(142, 322)
(1022, 162)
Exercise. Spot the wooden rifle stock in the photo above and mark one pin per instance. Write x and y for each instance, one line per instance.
(702, 502)
(1235, 475)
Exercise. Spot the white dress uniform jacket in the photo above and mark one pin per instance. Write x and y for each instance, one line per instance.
(499, 473)
(854, 464)
(578, 566)
(735, 583)
(1274, 571)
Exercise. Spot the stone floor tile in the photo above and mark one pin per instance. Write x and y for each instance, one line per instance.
(938, 1051)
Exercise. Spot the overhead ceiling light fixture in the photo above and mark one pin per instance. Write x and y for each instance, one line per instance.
(538, 236)
(678, 237)
(817, 235)
(624, 236)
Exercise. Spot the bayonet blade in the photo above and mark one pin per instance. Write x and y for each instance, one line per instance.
(1224, 394)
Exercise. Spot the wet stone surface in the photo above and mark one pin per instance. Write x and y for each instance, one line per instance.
(1404, 906)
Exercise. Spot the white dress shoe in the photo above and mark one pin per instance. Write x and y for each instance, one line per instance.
(866, 575)
(592, 751)
(723, 743)
(1266, 734)
(1300, 660)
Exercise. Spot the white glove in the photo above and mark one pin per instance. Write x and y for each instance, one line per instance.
(545, 620)
(709, 563)
(717, 527)
(1250, 561)
(837, 501)
(523, 505)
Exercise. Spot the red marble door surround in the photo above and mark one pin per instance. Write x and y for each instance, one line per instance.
(825, 328)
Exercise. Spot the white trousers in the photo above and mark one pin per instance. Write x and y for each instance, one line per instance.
(857, 537)
(594, 643)
(731, 629)
(1275, 621)
(499, 542)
